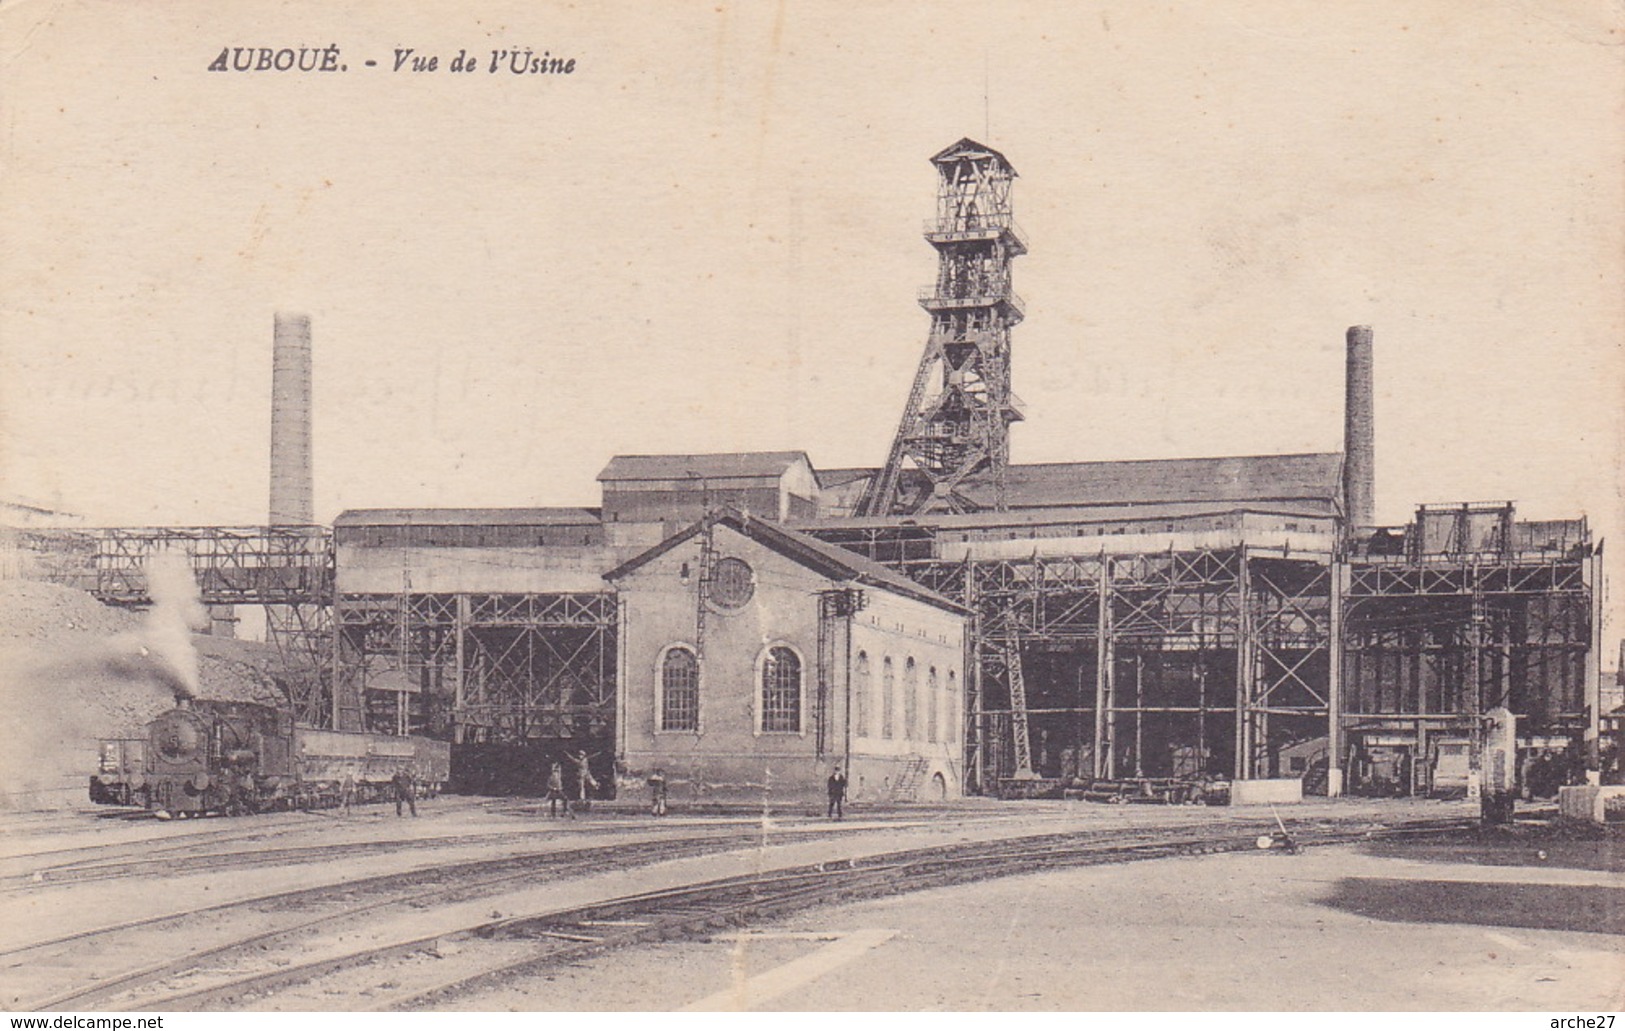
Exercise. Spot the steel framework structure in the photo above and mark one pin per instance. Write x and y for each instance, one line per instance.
(956, 421)
(502, 668)
(1138, 664)
(1431, 643)
(286, 570)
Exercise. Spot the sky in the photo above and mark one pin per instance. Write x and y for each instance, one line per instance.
(707, 237)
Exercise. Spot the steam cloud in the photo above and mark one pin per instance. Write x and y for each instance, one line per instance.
(177, 610)
(75, 687)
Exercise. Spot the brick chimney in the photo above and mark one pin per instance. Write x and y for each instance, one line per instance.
(1359, 431)
(290, 422)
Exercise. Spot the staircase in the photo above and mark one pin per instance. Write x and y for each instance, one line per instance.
(1315, 778)
(906, 788)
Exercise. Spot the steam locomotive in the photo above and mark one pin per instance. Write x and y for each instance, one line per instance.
(208, 756)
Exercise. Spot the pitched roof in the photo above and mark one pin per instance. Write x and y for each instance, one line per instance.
(827, 559)
(966, 145)
(468, 517)
(747, 464)
(1159, 481)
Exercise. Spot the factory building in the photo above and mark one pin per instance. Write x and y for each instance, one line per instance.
(948, 621)
(1126, 612)
(526, 634)
(1206, 633)
(671, 491)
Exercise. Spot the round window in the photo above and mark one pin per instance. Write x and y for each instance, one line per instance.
(732, 584)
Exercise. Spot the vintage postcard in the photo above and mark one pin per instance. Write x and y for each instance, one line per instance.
(811, 506)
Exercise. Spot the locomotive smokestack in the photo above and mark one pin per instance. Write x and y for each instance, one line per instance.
(290, 422)
(1359, 432)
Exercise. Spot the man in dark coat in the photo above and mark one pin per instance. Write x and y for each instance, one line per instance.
(404, 791)
(837, 793)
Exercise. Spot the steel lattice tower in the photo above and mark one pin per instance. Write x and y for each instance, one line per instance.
(956, 423)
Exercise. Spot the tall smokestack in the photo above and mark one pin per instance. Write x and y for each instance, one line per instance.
(1359, 431)
(290, 422)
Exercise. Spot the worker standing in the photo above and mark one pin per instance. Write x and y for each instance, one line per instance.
(837, 794)
(555, 791)
(657, 791)
(585, 781)
(405, 791)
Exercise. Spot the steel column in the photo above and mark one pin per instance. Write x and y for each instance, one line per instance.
(1105, 659)
(1334, 683)
(1244, 670)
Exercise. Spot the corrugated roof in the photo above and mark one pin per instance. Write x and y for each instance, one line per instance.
(723, 464)
(1162, 480)
(1076, 515)
(828, 559)
(468, 517)
(1159, 481)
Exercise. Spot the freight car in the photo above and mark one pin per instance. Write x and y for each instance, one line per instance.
(238, 757)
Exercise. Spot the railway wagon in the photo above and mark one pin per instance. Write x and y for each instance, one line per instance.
(325, 758)
(235, 757)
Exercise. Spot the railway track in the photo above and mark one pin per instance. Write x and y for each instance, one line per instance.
(27, 862)
(182, 858)
(176, 838)
(307, 910)
(491, 952)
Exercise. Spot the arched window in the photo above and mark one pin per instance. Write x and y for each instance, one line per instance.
(781, 692)
(933, 706)
(679, 690)
(953, 729)
(888, 703)
(860, 697)
(911, 700)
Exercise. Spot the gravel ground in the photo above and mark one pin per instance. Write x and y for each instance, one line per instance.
(1515, 921)
(1342, 929)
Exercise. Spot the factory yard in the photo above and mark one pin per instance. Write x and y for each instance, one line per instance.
(492, 905)
(1330, 929)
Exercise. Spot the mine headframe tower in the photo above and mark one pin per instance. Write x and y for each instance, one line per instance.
(956, 422)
